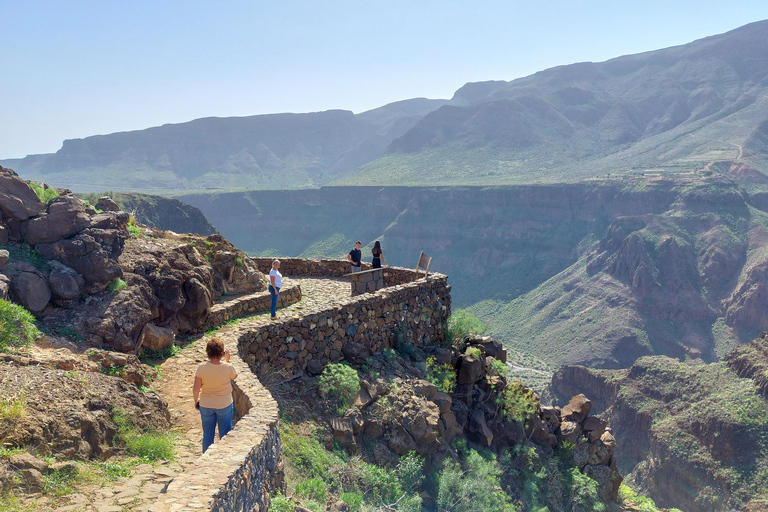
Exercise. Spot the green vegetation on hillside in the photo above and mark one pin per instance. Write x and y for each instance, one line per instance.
(17, 326)
(703, 418)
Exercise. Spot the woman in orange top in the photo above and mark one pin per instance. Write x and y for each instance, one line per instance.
(213, 392)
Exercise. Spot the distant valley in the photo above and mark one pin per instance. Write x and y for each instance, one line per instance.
(596, 273)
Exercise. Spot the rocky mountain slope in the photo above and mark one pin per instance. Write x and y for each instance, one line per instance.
(105, 279)
(690, 436)
(438, 409)
(678, 109)
(596, 273)
(259, 152)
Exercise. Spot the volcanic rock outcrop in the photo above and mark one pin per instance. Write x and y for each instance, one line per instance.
(101, 277)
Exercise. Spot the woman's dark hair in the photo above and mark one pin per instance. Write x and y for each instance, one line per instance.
(376, 248)
(215, 348)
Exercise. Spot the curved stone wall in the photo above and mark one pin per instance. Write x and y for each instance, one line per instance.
(239, 472)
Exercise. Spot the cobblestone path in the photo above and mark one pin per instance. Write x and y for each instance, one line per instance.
(141, 490)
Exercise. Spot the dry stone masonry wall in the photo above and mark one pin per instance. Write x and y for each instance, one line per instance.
(239, 472)
(354, 328)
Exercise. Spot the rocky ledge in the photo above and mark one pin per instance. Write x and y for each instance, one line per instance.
(100, 277)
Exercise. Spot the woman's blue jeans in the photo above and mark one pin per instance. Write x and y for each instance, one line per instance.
(210, 418)
(275, 295)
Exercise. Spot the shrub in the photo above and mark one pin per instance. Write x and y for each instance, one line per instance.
(353, 499)
(517, 402)
(409, 471)
(441, 375)
(497, 368)
(147, 445)
(462, 324)
(476, 488)
(58, 483)
(133, 229)
(403, 345)
(474, 351)
(46, 195)
(339, 382)
(13, 407)
(116, 285)
(17, 326)
(585, 493)
(280, 503)
(313, 488)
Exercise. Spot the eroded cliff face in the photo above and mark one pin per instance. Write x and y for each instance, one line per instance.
(596, 273)
(689, 436)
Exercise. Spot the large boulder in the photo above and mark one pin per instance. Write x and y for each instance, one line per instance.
(157, 338)
(65, 283)
(17, 200)
(92, 253)
(28, 286)
(471, 369)
(577, 409)
(5, 286)
(4, 255)
(65, 217)
(478, 430)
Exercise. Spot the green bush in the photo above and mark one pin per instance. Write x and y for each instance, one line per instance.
(312, 488)
(517, 402)
(58, 483)
(497, 368)
(46, 195)
(280, 503)
(403, 345)
(353, 499)
(477, 487)
(338, 382)
(441, 375)
(461, 324)
(585, 493)
(17, 326)
(147, 445)
(116, 285)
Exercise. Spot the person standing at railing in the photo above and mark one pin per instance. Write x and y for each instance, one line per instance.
(378, 255)
(355, 257)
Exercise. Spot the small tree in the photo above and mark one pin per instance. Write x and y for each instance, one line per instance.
(462, 324)
(339, 382)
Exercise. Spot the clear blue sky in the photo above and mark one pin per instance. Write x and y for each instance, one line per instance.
(70, 69)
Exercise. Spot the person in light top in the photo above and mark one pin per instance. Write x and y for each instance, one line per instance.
(213, 392)
(275, 283)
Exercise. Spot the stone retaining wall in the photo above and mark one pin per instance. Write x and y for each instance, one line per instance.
(239, 471)
(357, 325)
(334, 268)
(247, 304)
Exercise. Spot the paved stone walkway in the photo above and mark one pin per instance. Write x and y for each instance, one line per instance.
(142, 489)
(139, 491)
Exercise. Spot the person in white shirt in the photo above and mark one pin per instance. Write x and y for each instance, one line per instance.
(275, 283)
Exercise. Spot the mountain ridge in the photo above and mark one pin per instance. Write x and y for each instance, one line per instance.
(678, 109)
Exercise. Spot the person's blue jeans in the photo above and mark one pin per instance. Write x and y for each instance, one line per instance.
(210, 418)
(275, 295)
